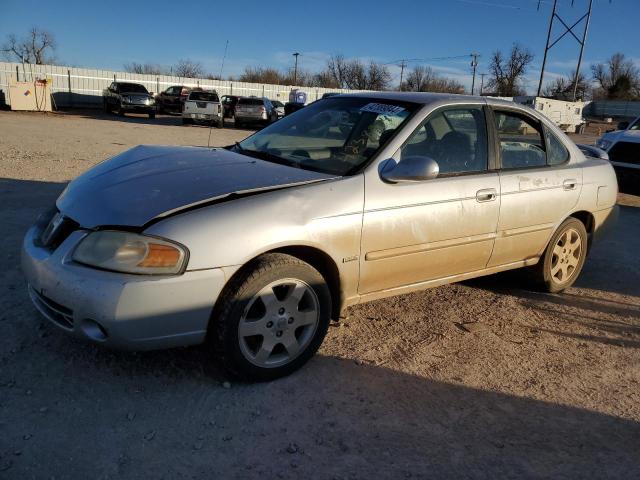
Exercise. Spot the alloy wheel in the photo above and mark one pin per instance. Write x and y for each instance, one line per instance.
(566, 255)
(278, 323)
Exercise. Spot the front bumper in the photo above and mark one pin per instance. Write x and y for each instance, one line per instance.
(135, 107)
(133, 312)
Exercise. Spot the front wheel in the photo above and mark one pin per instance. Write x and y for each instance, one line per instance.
(564, 256)
(272, 318)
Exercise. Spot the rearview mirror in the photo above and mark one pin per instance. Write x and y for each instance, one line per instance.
(415, 168)
(623, 125)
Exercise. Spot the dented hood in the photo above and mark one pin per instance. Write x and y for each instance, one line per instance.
(148, 182)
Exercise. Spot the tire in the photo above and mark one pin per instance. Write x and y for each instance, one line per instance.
(152, 114)
(274, 301)
(237, 124)
(563, 258)
(220, 122)
(186, 121)
(120, 111)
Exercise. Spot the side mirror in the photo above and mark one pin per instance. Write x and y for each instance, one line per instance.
(623, 125)
(414, 168)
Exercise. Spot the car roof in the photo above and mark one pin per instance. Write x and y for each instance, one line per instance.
(415, 97)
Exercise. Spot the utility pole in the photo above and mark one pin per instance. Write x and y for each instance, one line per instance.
(402, 65)
(295, 69)
(474, 65)
(482, 75)
(226, 46)
(567, 30)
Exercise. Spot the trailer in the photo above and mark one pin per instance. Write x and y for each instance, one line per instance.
(566, 115)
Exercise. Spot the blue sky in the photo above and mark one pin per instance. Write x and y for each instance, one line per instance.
(107, 34)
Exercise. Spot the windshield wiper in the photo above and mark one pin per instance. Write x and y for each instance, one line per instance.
(269, 157)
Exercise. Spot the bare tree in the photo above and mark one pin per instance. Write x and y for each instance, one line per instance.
(618, 78)
(145, 68)
(561, 88)
(188, 68)
(36, 47)
(353, 74)
(506, 74)
(424, 79)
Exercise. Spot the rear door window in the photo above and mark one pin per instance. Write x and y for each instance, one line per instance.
(521, 140)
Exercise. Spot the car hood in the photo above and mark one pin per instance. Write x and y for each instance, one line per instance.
(150, 182)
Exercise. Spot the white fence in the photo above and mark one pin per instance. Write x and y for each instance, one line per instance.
(82, 87)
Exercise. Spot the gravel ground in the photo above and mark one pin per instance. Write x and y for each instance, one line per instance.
(483, 379)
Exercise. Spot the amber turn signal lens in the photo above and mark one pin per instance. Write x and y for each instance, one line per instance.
(161, 256)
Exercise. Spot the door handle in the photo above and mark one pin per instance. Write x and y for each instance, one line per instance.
(486, 195)
(569, 184)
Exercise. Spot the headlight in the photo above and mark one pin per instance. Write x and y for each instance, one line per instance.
(150, 101)
(130, 253)
(603, 144)
(126, 99)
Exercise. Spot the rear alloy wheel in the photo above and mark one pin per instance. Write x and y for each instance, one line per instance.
(564, 257)
(273, 317)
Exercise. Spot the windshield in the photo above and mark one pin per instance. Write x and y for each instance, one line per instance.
(337, 135)
(131, 88)
(203, 96)
(636, 125)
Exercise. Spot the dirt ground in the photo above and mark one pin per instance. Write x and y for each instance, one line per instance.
(483, 379)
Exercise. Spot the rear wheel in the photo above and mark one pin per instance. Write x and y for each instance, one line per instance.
(564, 256)
(272, 318)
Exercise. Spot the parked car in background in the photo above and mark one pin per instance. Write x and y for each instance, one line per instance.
(279, 107)
(203, 106)
(256, 246)
(229, 105)
(623, 147)
(255, 110)
(123, 97)
(173, 98)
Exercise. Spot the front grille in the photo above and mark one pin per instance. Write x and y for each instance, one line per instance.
(55, 312)
(625, 152)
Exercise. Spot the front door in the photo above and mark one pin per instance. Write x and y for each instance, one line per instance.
(415, 232)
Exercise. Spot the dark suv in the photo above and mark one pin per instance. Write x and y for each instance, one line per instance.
(123, 97)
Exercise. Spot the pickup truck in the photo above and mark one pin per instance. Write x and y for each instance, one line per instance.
(123, 97)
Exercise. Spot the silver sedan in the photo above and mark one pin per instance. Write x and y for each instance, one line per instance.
(254, 247)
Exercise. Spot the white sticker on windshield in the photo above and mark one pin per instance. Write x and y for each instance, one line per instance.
(382, 109)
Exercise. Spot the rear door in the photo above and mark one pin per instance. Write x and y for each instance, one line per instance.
(539, 185)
